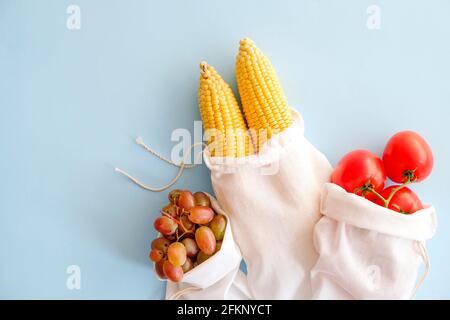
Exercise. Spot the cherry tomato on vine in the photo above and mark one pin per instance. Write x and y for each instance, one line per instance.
(358, 169)
(407, 155)
(404, 200)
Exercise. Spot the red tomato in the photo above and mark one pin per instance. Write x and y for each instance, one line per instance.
(357, 169)
(407, 154)
(404, 200)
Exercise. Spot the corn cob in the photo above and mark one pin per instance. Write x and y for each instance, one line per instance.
(264, 103)
(223, 121)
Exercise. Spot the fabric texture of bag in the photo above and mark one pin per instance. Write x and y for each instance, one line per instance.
(218, 277)
(367, 251)
(273, 201)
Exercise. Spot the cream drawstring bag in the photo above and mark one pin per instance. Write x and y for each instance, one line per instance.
(217, 278)
(272, 199)
(367, 251)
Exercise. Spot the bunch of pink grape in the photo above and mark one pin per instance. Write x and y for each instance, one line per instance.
(191, 232)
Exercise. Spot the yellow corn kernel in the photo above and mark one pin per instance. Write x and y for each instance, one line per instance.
(223, 121)
(264, 103)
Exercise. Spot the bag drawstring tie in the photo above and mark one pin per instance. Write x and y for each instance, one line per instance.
(426, 260)
(181, 166)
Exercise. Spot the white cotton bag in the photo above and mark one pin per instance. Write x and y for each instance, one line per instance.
(216, 278)
(273, 201)
(367, 251)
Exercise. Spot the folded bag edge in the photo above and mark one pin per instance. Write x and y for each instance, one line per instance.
(229, 257)
(269, 153)
(341, 205)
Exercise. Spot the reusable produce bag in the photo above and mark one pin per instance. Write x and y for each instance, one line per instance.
(367, 251)
(216, 278)
(272, 199)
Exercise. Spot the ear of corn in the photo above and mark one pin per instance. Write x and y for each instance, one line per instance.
(224, 124)
(264, 103)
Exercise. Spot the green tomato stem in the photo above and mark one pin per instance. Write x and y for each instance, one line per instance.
(379, 196)
(395, 190)
(387, 201)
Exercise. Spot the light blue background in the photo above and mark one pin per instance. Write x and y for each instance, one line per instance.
(73, 101)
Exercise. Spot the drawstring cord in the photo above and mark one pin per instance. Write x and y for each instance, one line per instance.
(426, 260)
(141, 142)
(181, 166)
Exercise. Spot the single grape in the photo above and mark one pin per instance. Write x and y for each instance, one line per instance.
(171, 210)
(191, 247)
(165, 225)
(159, 269)
(218, 245)
(173, 273)
(161, 244)
(205, 240)
(201, 215)
(177, 254)
(188, 265)
(218, 225)
(201, 199)
(156, 255)
(174, 195)
(188, 225)
(186, 200)
(202, 257)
